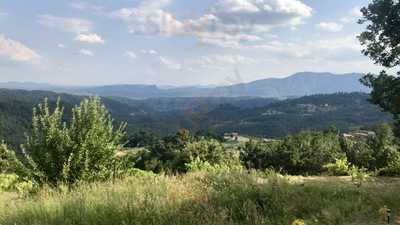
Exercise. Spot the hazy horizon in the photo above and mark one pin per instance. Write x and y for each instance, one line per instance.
(166, 86)
(176, 42)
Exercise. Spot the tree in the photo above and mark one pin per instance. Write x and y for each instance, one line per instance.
(93, 142)
(46, 149)
(83, 151)
(140, 139)
(381, 40)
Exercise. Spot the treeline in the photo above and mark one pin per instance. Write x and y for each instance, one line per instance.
(306, 153)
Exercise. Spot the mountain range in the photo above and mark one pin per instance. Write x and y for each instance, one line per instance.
(297, 85)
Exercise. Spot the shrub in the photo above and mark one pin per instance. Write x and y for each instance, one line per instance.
(393, 169)
(358, 175)
(339, 168)
(299, 222)
(82, 152)
(9, 162)
(12, 182)
(229, 166)
(304, 153)
(94, 143)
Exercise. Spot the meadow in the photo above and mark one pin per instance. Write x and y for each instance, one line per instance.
(228, 197)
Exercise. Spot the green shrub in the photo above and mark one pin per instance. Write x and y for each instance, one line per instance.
(393, 169)
(197, 165)
(9, 162)
(12, 182)
(340, 168)
(84, 151)
(299, 222)
(358, 175)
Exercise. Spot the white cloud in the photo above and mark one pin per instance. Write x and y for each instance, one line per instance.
(230, 23)
(221, 61)
(338, 49)
(263, 13)
(356, 11)
(131, 54)
(73, 25)
(155, 4)
(330, 26)
(353, 15)
(16, 51)
(149, 52)
(90, 38)
(227, 59)
(148, 19)
(85, 6)
(86, 52)
(170, 64)
(61, 45)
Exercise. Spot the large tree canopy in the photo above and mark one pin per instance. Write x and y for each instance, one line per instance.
(382, 35)
(381, 41)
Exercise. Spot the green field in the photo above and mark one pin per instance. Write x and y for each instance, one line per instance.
(236, 197)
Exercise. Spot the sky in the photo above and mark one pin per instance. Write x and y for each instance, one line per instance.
(177, 42)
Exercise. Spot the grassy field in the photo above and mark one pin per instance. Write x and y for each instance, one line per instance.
(207, 198)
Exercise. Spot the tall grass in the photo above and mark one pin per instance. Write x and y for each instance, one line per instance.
(204, 198)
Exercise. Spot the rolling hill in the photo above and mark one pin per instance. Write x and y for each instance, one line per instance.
(164, 116)
(297, 85)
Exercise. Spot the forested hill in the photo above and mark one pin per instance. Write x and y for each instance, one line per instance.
(163, 116)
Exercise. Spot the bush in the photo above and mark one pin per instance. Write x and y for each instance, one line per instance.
(197, 165)
(340, 168)
(304, 153)
(12, 182)
(393, 169)
(299, 222)
(84, 151)
(358, 175)
(9, 162)
(94, 143)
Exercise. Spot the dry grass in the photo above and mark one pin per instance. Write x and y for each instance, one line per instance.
(238, 198)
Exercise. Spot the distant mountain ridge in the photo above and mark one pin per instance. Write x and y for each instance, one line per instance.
(297, 85)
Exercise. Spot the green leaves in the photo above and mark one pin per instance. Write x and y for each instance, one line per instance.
(382, 35)
(84, 150)
(381, 40)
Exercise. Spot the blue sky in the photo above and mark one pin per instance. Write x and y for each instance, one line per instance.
(176, 42)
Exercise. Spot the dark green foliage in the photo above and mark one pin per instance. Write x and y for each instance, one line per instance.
(386, 94)
(141, 138)
(173, 153)
(305, 153)
(309, 153)
(381, 40)
(382, 35)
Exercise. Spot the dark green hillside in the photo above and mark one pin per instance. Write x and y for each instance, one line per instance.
(276, 119)
(345, 111)
(164, 116)
(16, 111)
